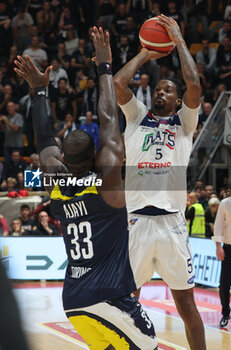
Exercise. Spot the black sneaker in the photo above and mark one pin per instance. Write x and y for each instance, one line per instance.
(224, 321)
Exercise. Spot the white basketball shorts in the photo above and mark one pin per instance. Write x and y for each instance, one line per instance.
(160, 243)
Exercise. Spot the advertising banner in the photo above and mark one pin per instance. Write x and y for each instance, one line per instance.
(35, 258)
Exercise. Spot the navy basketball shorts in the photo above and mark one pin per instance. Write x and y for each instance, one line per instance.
(121, 322)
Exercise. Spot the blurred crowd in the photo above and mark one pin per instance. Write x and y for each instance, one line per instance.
(58, 32)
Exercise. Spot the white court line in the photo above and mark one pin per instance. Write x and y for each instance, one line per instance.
(64, 336)
(179, 319)
(75, 341)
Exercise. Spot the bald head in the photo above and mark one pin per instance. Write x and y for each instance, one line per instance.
(78, 147)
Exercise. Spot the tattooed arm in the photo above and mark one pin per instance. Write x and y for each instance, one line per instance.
(190, 74)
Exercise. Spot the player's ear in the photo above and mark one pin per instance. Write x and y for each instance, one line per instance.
(178, 102)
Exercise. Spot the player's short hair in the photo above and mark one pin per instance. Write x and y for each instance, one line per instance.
(78, 147)
(180, 87)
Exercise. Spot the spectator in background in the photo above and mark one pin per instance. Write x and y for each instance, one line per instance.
(21, 25)
(210, 215)
(207, 109)
(37, 55)
(131, 32)
(67, 126)
(7, 97)
(20, 181)
(227, 14)
(144, 92)
(71, 41)
(207, 56)
(222, 234)
(81, 82)
(217, 91)
(34, 162)
(27, 106)
(209, 189)
(28, 222)
(63, 57)
(5, 30)
(56, 74)
(66, 21)
(15, 165)
(11, 185)
(139, 9)
(90, 99)
(206, 78)
(224, 62)
(10, 65)
(106, 12)
(33, 6)
(123, 54)
(91, 128)
(80, 58)
(119, 20)
(198, 11)
(45, 18)
(155, 10)
(4, 230)
(176, 14)
(44, 228)
(225, 31)
(12, 125)
(195, 216)
(63, 101)
(16, 229)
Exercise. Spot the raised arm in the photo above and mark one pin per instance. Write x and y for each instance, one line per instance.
(124, 76)
(49, 153)
(189, 69)
(111, 154)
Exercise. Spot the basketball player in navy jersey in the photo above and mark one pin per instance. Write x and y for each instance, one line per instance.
(158, 145)
(99, 281)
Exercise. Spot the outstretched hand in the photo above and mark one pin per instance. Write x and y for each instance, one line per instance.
(27, 70)
(172, 28)
(101, 41)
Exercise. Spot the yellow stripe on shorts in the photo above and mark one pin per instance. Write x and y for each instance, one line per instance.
(96, 335)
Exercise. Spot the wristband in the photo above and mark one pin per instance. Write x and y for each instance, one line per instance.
(104, 68)
(40, 91)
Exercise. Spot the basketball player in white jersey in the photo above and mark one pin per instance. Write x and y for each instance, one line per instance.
(158, 145)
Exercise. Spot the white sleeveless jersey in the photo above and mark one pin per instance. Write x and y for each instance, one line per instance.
(157, 156)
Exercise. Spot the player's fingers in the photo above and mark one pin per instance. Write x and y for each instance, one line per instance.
(48, 70)
(19, 65)
(93, 36)
(96, 31)
(101, 36)
(29, 62)
(19, 72)
(23, 62)
(107, 38)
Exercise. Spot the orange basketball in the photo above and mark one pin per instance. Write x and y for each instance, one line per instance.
(153, 36)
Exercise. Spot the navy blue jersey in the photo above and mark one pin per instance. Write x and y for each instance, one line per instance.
(96, 240)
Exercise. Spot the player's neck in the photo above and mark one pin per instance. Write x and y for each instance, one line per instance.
(163, 113)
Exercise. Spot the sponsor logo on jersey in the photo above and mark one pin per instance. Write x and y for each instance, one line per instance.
(191, 280)
(78, 271)
(151, 165)
(160, 138)
(132, 221)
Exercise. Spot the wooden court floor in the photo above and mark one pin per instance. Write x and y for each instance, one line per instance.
(47, 327)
